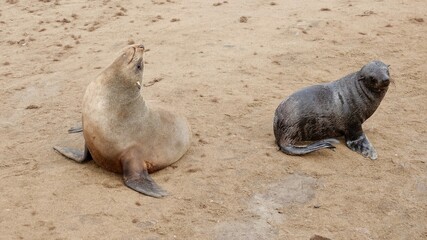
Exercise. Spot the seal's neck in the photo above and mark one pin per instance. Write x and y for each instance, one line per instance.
(119, 90)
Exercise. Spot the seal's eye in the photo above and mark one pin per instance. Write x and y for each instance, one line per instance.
(139, 66)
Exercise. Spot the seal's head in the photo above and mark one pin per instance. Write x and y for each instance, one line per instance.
(129, 66)
(375, 76)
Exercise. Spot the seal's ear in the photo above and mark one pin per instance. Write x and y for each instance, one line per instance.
(361, 78)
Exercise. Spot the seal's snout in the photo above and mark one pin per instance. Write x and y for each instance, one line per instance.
(384, 79)
(385, 82)
(139, 48)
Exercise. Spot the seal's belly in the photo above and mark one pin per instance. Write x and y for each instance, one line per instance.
(308, 124)
(103, 151)
(319, 128)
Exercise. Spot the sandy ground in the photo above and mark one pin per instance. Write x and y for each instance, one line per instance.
(225, 66)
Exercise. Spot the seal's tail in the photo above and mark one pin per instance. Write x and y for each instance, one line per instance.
(301, 150)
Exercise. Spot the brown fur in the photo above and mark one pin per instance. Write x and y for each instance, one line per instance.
(119, 127)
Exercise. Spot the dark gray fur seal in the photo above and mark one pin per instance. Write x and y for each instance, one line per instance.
(323, 112)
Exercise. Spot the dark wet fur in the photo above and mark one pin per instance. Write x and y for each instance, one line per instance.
(332, 110)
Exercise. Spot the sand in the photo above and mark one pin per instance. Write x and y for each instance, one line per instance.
(225, 66)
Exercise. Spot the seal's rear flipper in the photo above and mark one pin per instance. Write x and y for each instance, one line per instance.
(298, 150)
(136, 177)
(75, 129)
(74, 154)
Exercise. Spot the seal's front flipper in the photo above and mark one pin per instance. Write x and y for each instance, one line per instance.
(136, 177)
(302, 150)
(74, 154)
(144, 184)
(75, 129)
(362, 145)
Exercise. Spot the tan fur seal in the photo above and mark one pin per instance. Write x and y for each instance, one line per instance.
(122, 133)
(325, 111)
